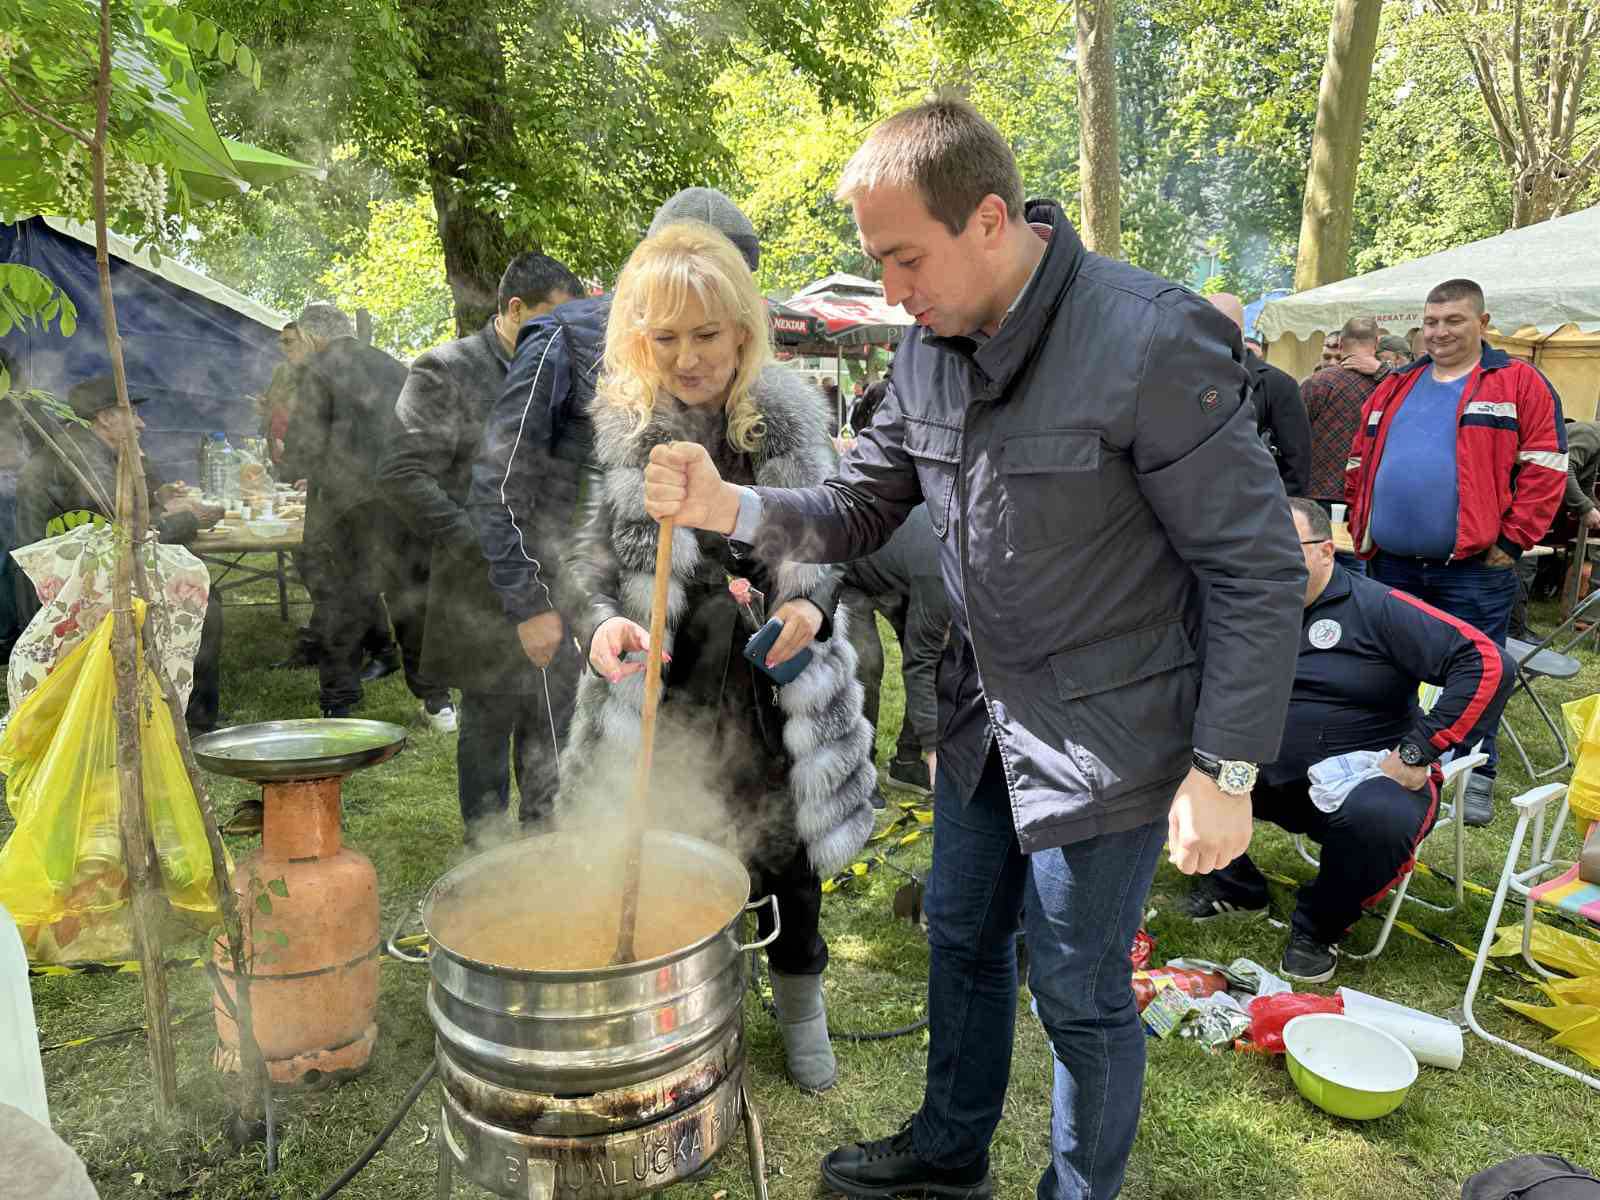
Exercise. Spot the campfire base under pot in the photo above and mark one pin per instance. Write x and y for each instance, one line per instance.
(615, 1145)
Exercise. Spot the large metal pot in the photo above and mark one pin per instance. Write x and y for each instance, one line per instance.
(576, 1033)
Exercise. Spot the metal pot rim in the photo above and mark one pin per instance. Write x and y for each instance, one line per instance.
(465, 870)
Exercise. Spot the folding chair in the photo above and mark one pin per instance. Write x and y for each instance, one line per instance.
(1541, 661)
(1534, 883)
(1456, 773)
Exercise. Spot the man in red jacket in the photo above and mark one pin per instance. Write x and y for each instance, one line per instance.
(1458, 467)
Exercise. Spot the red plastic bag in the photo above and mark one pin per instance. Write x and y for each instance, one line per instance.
(1269, 1014)
(1143, 947)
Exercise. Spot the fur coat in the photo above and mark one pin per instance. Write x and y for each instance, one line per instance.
(827, 742)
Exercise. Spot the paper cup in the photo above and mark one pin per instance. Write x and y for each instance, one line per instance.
(1433, 1040)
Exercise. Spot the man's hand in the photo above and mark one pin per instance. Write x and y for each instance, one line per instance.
(541, 638)
(1591, 519)
(681, 482)
(1207, 828)
(1361, 362)
(932, 759)
(614, 638)
(1496, 557)
(802, 621)
(1413, 779)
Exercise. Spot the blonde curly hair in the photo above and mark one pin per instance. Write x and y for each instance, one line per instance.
(684, 258)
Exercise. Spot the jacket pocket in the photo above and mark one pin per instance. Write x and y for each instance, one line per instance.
(1130, 705)
(1053, 488)
(936, 449)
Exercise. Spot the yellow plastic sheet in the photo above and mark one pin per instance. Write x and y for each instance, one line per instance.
(62, 874)
(1561, 1018)
(1573, 991)
(1554, 948)
(1583, 1040)
(1583, 730)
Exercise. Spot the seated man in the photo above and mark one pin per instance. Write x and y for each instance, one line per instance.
(52, 499)
(1364, 650)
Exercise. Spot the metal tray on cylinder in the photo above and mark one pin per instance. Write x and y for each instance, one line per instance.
(313, 748)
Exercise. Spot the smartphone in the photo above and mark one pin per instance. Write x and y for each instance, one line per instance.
(761, 642)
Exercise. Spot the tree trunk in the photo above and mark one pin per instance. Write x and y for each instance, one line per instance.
(1324, 254)
(132, 518)
(462, 76)
(1099, 171)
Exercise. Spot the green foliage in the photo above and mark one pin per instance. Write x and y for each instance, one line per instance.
(27, 297)
(398, 276)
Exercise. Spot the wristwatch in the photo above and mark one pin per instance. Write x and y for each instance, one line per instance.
(1234, 777)
(1412, 754)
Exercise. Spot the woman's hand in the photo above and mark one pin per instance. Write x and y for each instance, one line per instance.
(616, 637)
(802, 621)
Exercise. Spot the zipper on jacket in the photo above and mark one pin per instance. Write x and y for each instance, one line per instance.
(1466, 399)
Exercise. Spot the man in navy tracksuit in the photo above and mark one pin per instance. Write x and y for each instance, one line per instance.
(1364, 649)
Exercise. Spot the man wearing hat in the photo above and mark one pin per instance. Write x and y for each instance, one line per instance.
(1394, 351)
(51, 499)
(357, 547)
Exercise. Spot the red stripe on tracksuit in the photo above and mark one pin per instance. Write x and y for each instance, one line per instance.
(1435, 779)
(1488, 679)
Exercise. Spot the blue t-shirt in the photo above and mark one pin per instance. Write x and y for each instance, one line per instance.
(1415, 499)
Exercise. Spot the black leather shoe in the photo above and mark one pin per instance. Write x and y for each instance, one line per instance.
(1306, 960)
(380, 666)
(889, 1167)
(910, 775)
(1479, 802)
(340, 710)
(1209, 898)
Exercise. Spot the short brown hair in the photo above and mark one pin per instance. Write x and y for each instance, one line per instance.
(947, 152)
(1452, 290)
(1318, 523)
(1359, 329)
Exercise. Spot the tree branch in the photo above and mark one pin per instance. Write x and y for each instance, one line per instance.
(39, 114)
(89, 485)
(1518, 92)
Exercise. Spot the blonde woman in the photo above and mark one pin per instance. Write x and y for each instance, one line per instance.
(687, 357)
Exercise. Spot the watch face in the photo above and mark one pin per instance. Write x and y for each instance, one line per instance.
(1410, 755)
(1237, 777)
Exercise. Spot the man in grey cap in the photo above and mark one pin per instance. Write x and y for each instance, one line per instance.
(530, 470)
(52, 498)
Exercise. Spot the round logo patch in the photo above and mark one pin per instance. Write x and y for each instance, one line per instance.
(1325, 635)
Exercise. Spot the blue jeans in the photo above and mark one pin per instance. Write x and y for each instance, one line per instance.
(1080, 907)
(1468, 589)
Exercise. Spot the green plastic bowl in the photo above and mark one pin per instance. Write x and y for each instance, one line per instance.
(1346, 1068)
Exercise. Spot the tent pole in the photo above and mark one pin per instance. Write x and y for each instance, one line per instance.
(838, 383)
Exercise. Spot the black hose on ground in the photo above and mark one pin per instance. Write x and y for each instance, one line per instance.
(384, 1134)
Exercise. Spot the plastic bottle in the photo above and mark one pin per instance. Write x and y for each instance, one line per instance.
(21, 1069)
(213, 464)
(227, 460)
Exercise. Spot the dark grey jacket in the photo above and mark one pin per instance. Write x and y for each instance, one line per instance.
(1583, 465)
(1281, 421)
(1123, 572)
(426, 473)
(907, 566)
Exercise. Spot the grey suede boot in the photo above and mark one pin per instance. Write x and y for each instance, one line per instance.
(803, 1021)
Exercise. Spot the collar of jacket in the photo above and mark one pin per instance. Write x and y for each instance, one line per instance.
(1491, 359)
(1339, 586)
(1002, 357)
(491, 339)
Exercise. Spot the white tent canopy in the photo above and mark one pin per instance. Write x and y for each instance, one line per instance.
(1542, 278)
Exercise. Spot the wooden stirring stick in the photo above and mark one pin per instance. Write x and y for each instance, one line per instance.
(639, 810)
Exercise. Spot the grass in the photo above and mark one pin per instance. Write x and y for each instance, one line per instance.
(1213, 1125)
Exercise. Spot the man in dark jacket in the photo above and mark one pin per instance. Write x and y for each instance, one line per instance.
(1280, 413)
(354, 544)
(1082, 435)
(1364, 651)
(901, 580)
(506, 709)
(51, 499)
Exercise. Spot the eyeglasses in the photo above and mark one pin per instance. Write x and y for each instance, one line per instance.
(1314, 541)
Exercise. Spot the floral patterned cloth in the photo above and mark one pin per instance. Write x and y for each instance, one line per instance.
(72, 574)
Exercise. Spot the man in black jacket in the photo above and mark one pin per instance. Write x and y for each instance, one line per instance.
(51, 499)
(902, 581)
(1364, 650)
(1280, 413)
(508, 710)
(354, 543)
(1082, 436)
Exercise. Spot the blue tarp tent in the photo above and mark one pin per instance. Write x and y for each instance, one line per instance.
(196, 349)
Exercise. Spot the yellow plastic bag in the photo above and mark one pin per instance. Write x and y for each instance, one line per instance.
(1583, 731)
(1553, 948)
(1583, 1040)
(62, 874)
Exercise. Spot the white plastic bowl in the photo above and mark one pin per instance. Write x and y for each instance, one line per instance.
(268, 527)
